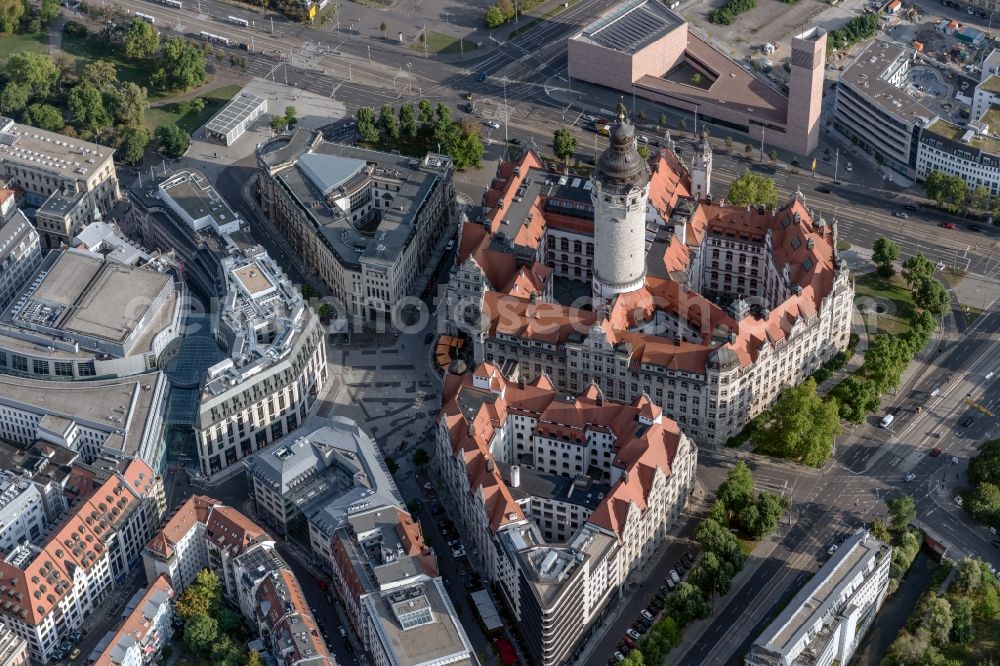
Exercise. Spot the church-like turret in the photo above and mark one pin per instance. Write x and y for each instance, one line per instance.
(620, 192)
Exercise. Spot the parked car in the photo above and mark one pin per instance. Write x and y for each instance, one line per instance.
(458, 552)
(642, 625)
(619, 657)
(646, 614)
(850, 167)
(831, 550)
(629, 641)
(674, 577)
(633, 634)
(671, 585)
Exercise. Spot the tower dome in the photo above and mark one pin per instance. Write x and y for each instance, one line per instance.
(620, 167)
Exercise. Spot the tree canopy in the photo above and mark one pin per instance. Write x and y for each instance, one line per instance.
(173, 140)
(37, 71)
(181, 66)
(86, 105)
(801, 425)
(884, 252)
(140, 39)
(753, 189)
(563, 144)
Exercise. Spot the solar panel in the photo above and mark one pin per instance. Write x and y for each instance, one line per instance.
(634, 28)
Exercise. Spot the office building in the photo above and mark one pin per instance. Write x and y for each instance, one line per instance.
(327, 486)
(644, 48)
(22, 511)
(52, 584)
(275, 369)
(80, 316)
(559, 496)
(141, 637)
(372, 225)
(824, 623)
(45, 465)
(66, 181)
(733, 305)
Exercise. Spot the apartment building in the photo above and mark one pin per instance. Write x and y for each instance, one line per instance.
(20, 255)
(45, 465)
(66, 181)
(824, 623)
(205, 534)
(52, 584)
(140, 638)
(275, 369)
(558, 496)
(328, 487)
(372, 225)
(13, 649)
(22, 511)
(733, 305)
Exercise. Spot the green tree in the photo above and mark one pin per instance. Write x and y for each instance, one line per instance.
(464, 144)
(712, 574)
(407, 122)
(884, 252)
(984, 503)
(228, 619)
(44, 116)
(768, 510)
(902, 512)
(773, 156)
(37, 71)
(382, 27)
(634, 658)
(930, 295)
(86, 106)
(800, 425)
(736, 492)
(664, 121)
(937, 620)
(291, 113)
(753, 189)
(173, 140)
(200, 633)
(254, 659)
(643, 151)
(365, 119)
(961, 620)
(563, 144)
(391, 464)
(420, 456)
(181, 66)
(102, 74)
(885, 359)
(140, 39)
(980, 198)
(11, 12)
(130, 104)
(988, 605)
(956, 191)
(687, 603)
(49, 11)
(387, 123)
(878, 530)
(14, 97)
(426, 116)
(985, 465)
(934, 185)
(917, 268)
(747, 149)
(494, 17)
(909, 648)
(714, 537)
(133, 144)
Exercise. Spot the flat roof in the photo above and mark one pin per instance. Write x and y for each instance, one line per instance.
(407, 180)
(821, 593)
(991, 84)
(868, 75)
(253, 278)
(40, 150)
(192, 192)
(239, 109)
(81, 294)
(631, 26)
(424, 643)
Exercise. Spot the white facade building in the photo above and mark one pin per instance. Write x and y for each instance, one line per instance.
(22, 511)
(523, 464)
(20, 255)
(141, 637)
(826, 620)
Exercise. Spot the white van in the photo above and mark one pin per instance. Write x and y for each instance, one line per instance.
(886, 421)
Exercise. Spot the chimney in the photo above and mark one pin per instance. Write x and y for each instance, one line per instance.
(515, 476)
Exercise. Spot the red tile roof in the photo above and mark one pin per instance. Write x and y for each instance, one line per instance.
(136, 625)
(183, 519)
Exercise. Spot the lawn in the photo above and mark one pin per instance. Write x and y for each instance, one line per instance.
(439, 42)
(887, 305)
(20, 43)
(180, 113)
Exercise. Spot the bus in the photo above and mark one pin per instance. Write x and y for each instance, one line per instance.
(238, 21)
(215, 39)
(145, 17)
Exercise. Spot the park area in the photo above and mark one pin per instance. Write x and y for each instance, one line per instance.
(885, 303)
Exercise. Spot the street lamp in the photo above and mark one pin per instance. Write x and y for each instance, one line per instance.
(409, 76)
